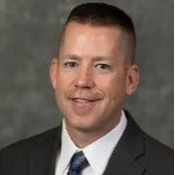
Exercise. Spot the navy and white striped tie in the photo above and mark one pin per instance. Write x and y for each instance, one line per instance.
(77, 164)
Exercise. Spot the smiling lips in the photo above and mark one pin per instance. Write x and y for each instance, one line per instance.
(84, 105)
(84, 100)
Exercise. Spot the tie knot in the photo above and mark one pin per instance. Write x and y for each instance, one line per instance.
(77, 164)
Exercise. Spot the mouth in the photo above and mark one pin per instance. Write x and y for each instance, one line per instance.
(84, 100)
(84, 105)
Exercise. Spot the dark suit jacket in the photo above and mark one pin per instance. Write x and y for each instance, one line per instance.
(136, 154)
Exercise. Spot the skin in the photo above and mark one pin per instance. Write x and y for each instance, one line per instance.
(91, 78)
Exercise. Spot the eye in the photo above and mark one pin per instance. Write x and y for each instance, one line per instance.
(71, 64)
(103, 67)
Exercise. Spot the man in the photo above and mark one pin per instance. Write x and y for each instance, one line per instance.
(91, 75)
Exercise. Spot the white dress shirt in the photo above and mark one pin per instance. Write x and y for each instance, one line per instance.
(97, 153)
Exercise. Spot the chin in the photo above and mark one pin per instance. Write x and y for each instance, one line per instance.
(86, 128)
(83, 125)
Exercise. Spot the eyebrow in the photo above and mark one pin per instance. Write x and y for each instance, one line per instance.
(98, 58)
(103, 58)
(71, 57)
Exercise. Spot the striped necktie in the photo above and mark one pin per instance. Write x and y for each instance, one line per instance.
(77, 164)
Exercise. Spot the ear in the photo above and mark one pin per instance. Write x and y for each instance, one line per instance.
(132, 79)
(54, 72)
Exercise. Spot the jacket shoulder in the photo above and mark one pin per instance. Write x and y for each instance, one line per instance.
(158, 157)
(155, 157)
(30, 144)
(152, 147)
(155, 147)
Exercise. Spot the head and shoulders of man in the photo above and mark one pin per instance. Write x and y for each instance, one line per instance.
(93, 72)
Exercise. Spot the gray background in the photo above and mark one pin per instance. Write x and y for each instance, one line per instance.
(28, 36)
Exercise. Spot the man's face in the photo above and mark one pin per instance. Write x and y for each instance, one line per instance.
(91, 77)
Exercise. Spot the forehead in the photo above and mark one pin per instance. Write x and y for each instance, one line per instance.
(85, 37)
(75, 29)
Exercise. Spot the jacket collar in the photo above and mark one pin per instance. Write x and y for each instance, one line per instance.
(125, 158)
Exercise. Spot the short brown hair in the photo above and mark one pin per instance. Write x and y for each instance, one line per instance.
(102, 14)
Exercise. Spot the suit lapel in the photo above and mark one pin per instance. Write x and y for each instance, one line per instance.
(42, 160)
(125, 158)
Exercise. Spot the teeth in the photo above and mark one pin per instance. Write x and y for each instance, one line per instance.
(82, 100)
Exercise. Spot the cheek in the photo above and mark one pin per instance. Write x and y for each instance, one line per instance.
(60, 88)
(115, 89)
(64, 84)
(63, 80)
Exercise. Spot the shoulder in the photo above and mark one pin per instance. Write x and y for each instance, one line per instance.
(150, 144)
(158, 158)
(154, 148)
(154, 156)
(30, 144)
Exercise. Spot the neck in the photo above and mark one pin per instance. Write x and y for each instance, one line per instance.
(83, 137)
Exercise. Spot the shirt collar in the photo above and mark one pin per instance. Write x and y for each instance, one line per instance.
(99, 151)
(68, 148)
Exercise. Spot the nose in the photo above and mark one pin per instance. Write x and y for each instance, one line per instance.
(85, 79)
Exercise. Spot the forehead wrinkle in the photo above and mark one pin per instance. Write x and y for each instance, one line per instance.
(91, 59)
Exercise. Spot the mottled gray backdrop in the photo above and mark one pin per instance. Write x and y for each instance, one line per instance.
(28, 39)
